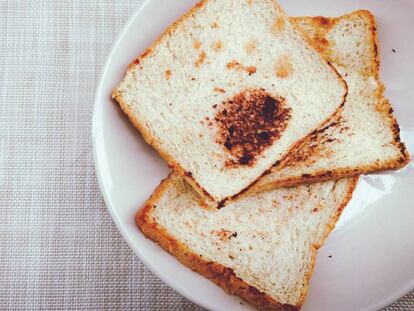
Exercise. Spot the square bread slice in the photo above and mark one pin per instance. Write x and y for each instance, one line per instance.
(226, 91)
(364, 137)
(261, 247)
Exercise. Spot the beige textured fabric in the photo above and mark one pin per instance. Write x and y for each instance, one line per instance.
(59, 248)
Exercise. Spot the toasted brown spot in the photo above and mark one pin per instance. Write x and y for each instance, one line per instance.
(250, 47)
(278, 25)
(251, 69)
(284, 67)
(324, 22)
(320, 44)
(215, 25)
(383, 106)
(219, 90)
(147, 51)
(167, 74)
(217, 46)
(250, 2)
(134, 63)
(315, 146)
(237, 66)
(249, 122)
(225, 235)
(196, 44)
(201, 58)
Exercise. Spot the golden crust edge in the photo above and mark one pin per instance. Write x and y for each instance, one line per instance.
(217, 273)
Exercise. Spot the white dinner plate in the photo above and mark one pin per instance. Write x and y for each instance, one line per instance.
(368, 260)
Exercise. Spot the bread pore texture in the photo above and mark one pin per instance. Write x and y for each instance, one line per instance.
(261, 247)
(226, 92)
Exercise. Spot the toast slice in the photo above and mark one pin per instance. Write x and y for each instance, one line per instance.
(364, 137)
(226, 91)
(261, 247)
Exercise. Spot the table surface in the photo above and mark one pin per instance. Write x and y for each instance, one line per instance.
(59, 248)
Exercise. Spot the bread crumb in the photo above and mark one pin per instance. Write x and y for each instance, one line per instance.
(393, 50)
(201, 58)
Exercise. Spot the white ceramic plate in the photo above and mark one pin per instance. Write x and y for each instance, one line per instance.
(372, 248)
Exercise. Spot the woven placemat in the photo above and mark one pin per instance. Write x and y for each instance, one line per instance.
(59, 249)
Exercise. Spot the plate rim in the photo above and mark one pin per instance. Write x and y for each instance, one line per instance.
(168, 280)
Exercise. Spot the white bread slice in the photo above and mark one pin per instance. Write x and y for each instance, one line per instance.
(364, 137)
(261, 248)
(226, 91)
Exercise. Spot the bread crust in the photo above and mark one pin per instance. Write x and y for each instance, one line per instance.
(209, 199)
(215, 272)
(387, 114)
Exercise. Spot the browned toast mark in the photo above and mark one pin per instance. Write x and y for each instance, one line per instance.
(237, 66)
(168, 74)
(217, 46)
(316, 146)
(323, 22)
(284, 67)
(249, 122)
(219, 90)
(320, 44)
(278, 25)
(384, 106)
(225, 235)
(196, 44)
(201, 58)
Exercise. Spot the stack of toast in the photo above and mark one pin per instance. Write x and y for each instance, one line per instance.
(266, 122)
